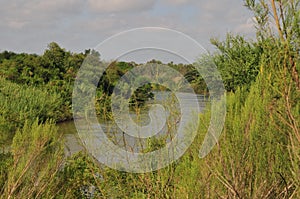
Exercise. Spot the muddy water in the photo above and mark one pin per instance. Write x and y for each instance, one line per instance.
(73, 144)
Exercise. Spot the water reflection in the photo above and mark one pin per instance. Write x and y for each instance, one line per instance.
(118, 137)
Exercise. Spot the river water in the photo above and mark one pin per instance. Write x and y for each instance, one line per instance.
(73, 144)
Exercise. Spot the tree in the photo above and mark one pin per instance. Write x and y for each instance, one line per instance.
(286, 16)
(237, 61)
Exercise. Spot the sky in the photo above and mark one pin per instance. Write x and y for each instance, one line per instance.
(30, 25)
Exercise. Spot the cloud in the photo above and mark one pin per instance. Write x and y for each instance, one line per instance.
(178, 2)
(17, 14)
(246, 28)
(28, 25)
(16, 24)
(120, 5)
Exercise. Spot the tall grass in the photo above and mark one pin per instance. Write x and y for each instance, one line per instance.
(35, 159)
(20, 103)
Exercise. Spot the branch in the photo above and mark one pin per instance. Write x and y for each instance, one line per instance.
(277, 20)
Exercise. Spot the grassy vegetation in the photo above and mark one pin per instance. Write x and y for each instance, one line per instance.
(20, 103)
(257, 156)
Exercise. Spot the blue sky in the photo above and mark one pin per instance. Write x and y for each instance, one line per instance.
(29, 25)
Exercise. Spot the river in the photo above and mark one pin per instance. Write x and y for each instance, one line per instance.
(73, 144)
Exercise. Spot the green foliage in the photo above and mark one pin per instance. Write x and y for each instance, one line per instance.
(21, 103)
(252, 147)
(81, 177)
(197, 81)
(6, 160)
(37, 155)
(237, 61)
(55, 70)
(6, 55)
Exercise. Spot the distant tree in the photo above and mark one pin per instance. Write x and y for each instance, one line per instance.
(6, 55)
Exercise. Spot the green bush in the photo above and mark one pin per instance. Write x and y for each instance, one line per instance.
(36, 158)
(20, 103)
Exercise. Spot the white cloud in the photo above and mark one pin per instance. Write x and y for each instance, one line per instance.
(17, 14)
(28, 25)
(120, 5)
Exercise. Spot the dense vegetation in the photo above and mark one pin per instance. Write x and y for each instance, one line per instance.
(257, 156)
